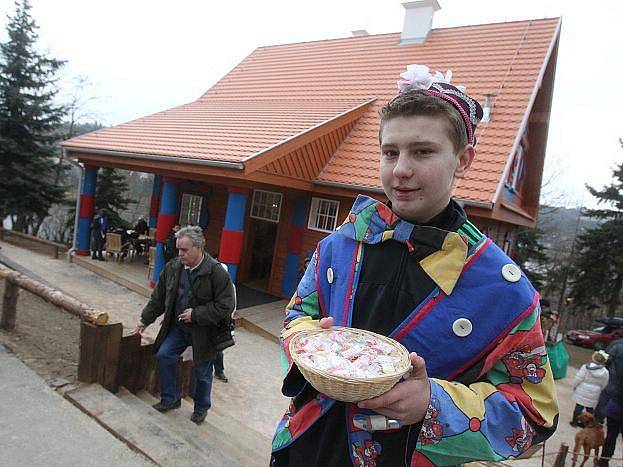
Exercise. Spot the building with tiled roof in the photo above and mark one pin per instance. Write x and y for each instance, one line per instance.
(271, 157)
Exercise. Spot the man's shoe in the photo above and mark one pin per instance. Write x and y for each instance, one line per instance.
(221, 376)
(198, 418)
(160, 407)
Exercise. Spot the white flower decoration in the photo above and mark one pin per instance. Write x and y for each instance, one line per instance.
(419, 77)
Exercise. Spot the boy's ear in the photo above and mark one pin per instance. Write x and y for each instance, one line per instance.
(464, 161)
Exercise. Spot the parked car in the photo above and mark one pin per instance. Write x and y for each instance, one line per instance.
(598, 338)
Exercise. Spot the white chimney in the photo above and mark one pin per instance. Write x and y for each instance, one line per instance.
(418, 21)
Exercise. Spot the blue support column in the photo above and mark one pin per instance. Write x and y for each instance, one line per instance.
(232, 236)
(87, 211)
(167, 218)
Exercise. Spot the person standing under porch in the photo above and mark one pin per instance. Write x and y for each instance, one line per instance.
(195, 293)
(99, 227)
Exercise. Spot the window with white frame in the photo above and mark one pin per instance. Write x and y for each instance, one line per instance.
(266, 205)
(190, 211)
(323, 214)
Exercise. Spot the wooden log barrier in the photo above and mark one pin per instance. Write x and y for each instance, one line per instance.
(55, 297)
(55, 247)
(99, 354)
(138, 370)
(9, 306)
(561, 457)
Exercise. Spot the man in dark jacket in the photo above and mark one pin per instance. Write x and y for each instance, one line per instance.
(195, 293)
(99, 227)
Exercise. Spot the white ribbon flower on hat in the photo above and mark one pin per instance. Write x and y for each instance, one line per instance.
(419, 77)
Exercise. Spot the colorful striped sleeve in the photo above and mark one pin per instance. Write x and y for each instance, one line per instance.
(302, 312)
(510, 408)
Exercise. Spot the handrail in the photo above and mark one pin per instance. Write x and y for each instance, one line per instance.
(67, 303)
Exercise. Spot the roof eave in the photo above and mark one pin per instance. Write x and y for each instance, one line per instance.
(156, 157)
(526, 116)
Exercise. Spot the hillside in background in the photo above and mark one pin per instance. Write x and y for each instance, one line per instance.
(559, 226)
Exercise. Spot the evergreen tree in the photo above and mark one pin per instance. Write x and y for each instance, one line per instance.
(110, 195)
(597, 274)
(29, 123)
(530, 255)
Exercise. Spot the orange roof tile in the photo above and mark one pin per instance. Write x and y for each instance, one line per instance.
(221, 130)
(279, 91)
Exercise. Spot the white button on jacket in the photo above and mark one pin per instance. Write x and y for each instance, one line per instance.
(462, 327)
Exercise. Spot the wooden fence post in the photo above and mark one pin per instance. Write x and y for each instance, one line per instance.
(99, 354)
(561, 457)
(9, 305)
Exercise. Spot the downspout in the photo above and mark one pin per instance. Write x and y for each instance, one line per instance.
(77, 214)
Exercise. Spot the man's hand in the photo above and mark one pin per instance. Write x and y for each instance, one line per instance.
(326, 323)
(139, 329)
(408, 400)
(186, 315)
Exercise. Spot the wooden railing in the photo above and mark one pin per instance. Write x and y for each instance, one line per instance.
(55, 248)
(106, 356)
(15, 280)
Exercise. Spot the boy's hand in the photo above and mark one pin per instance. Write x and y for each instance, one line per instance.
(326, 323)
(408, 400)
(139, 329)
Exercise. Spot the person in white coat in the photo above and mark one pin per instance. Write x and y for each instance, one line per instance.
(589, 381)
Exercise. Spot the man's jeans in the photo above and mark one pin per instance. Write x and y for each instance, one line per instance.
(168, 356)
(219, 368)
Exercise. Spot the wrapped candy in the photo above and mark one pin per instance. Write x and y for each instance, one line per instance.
(344, 353)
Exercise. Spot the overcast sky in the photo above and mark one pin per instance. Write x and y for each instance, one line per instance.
(145, 56)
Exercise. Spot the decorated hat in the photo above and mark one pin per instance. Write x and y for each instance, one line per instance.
(418, 77)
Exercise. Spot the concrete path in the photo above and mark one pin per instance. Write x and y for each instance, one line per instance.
(253, 394)
(39, 427)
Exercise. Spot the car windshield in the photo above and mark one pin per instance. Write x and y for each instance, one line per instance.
(599, 329)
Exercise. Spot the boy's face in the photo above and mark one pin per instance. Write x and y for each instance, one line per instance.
(418, 165)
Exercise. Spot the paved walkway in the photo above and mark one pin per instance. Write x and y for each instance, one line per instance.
(253, 394)
(39, 427)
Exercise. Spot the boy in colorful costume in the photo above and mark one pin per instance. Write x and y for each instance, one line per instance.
(418, 271)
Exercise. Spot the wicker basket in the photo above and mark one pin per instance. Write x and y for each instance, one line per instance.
(351, 389)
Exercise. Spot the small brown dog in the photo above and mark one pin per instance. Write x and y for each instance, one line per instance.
(589, 437)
